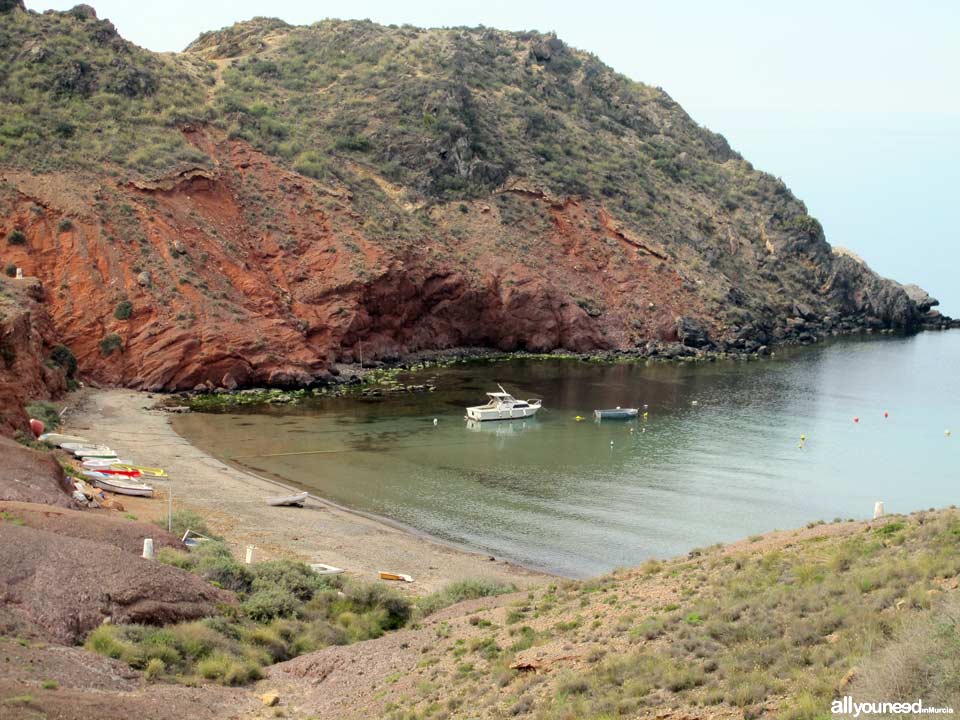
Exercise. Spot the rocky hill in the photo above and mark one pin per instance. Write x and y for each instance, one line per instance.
(252, 209)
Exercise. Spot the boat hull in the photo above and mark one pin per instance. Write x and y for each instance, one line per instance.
(123, 488)
(616, 414)
(482, 414)
(296, 500)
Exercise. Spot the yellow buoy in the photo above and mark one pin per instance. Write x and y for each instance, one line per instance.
(578, 418)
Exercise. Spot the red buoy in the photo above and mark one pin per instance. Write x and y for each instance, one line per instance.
(36, 427)
(886, 414)
(856, 419)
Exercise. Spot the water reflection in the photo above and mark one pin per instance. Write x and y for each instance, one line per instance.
(582, 497)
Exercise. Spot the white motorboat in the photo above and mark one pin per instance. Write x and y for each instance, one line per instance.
(503, 406)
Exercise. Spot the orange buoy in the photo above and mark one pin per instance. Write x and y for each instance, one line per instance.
(36, 427)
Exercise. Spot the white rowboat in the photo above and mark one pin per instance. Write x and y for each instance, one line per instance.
(295, 500)
(59, 440)
(118, 485)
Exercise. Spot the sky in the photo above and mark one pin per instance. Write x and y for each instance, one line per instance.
(855, 104)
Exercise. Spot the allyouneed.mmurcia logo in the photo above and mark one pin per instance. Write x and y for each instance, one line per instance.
(847, 707)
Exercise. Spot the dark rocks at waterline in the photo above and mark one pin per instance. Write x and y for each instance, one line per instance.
(692, 334)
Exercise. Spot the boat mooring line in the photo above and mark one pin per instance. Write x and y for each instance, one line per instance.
(348, 450)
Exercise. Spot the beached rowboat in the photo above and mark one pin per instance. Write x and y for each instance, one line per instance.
(99, 463)
(118, 485)
(102, 453)
(120, 473)
(400, 577)
(146, 471)
(59, 440)
(296, 500)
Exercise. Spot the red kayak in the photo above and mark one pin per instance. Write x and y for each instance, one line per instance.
(121, 473)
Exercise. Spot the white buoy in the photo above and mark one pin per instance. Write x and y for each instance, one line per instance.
(434, 421)
(148, 548)
(694, 402)
(611, 443)
(250, 554)
(878, 509)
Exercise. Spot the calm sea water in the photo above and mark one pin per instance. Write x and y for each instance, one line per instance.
(579, 498)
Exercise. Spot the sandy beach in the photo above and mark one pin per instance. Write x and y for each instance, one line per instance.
(232, 501)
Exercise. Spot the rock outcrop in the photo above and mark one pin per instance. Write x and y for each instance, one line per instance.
(60, 588)
(29, 476)
(126, 535)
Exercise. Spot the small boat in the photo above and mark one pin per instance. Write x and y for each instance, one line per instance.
(503, 406)
(99, 463)
(59, 440)
(147, 471)
(120, 486)
(296, 500)
(95, 453)
(72, 447)
(617, 413)
(322, 569)
(400, 577)
(120, 473)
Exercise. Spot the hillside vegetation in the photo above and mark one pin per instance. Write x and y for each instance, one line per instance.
(250, 210)
(775, 626)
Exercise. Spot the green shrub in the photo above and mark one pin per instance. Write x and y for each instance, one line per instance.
(62, 355)
(17, 237)
(216, 565)
(124, 310)
(183, 520)
(10, 270)
(458, 592)
(228, 670)
(110, 343)
(45, 412)
(373, 596)
(65, 225)
(107, 640)
(269, 603)
(155, 668)
(297, 578)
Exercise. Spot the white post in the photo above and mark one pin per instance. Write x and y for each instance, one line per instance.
(169, 508)
(148, 548)
(19, 273)
(878, 509)
(250, 553)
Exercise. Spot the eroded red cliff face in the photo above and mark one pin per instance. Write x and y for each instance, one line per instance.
(253, 274)
(27, 338)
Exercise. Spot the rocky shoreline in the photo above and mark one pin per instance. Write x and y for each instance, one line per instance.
(379, 378)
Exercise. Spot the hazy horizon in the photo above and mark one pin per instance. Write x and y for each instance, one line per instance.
(850, 105)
